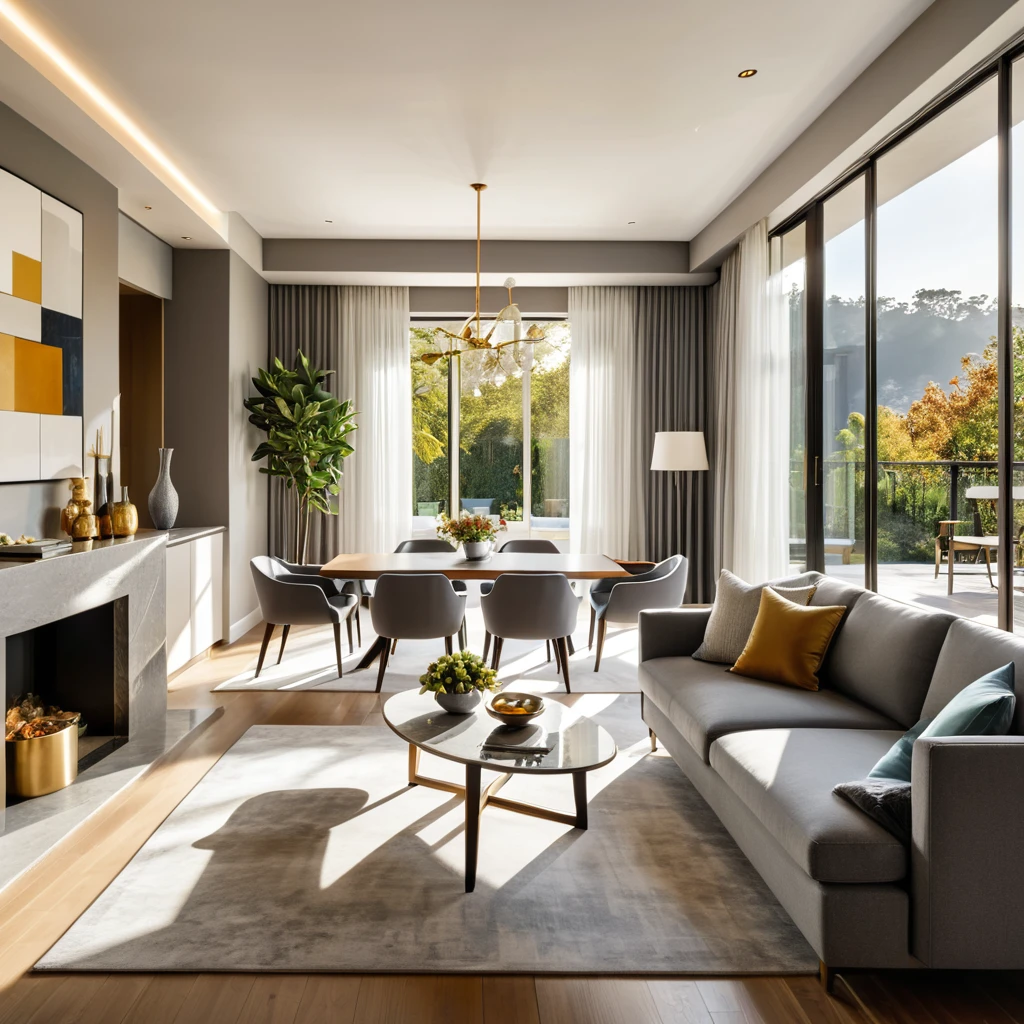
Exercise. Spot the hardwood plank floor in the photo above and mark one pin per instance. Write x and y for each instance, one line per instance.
(45, 901)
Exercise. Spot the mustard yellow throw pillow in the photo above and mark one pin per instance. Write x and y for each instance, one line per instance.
(788, 641)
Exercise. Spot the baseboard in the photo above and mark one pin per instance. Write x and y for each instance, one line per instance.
(242, 626)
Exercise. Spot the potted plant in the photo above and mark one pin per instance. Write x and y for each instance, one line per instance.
(457, 680)
(475, 533)
(307, 431)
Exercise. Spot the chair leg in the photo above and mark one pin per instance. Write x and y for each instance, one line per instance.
(337, 645)
(385, 655)
(394, 645)
(348, 626)
(284, 640)
(654, 741)
(498, 644)
(558, 659)
(267, 634)
(547, 650)
(487, 645)
(593, 618)
(601, 627)
(448, 645)
(359, 626)
(463, 643)
(563, 648)
(570, 645)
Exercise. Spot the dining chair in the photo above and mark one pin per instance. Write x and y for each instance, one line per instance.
(422, 544)
(298, 599)
(618, 600)
(357, 588)
(526, 545)
(415, 606)
(531, 606)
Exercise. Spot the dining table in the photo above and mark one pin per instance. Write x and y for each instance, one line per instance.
(456, 566)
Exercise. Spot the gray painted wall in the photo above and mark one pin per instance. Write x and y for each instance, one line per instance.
(143, 260)
(34, 156)
(215, 338)
(462, 301)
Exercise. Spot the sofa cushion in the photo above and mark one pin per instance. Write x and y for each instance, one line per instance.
(884, 655)
(785, 778)
(705, 701)
(970, 650)
(829, 590)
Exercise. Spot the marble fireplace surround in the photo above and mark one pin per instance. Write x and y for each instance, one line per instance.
(39, 592)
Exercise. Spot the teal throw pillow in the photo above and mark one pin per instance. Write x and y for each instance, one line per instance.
(984, 708)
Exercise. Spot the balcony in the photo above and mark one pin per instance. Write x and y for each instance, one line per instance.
(913, 499)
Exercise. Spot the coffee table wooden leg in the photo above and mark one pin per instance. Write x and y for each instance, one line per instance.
(472, 823)
(579, 790)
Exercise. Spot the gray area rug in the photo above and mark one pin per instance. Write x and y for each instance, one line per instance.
(303, 849)
(309, 662)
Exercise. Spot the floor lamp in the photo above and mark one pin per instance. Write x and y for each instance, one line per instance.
(679, 451)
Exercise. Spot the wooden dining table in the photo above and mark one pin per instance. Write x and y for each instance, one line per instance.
(456, 567)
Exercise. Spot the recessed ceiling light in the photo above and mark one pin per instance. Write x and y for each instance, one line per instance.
(328, 221)
(186, 238)
(147, 207)
(630, 221)
(749, 73)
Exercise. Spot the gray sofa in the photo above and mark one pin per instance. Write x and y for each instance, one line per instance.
(766, 756)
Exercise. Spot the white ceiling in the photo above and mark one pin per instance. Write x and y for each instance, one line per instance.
(579, 115)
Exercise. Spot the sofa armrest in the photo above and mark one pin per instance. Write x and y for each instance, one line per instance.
(966, 884)
(671, 632)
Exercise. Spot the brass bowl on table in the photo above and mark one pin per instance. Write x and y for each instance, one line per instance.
(515, 709)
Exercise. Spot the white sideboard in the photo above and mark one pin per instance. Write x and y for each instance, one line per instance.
(195, 593)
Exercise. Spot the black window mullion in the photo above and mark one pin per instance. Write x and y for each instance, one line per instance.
(1004, 351)
(871, 377)
(814, 326)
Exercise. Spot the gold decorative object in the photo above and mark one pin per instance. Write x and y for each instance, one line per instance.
(73, 509)
(86, 525)
(471, 336)
(103, 484)
(124, 516)
(42, 765)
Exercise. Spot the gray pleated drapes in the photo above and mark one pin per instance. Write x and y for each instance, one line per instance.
(306, 317)
(672, 389)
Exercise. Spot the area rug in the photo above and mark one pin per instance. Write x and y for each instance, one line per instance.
(309, 662)
(304, 849)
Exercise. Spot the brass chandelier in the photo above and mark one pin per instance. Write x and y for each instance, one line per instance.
(471, 336)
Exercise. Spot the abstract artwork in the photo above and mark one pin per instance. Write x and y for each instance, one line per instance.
(40, 334)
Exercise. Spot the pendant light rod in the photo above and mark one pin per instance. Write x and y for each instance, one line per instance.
(478, 187)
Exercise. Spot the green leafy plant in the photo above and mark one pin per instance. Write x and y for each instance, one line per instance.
(307, 430)
(469, 528)
(461, 672)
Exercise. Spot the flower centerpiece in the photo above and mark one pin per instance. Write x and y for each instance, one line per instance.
(474, 533)
(457, 680)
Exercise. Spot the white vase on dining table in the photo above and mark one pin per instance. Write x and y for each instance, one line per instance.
(475, 550)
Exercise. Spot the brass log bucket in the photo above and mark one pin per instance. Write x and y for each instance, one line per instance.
(42, 765)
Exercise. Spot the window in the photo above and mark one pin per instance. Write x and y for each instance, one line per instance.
(511, 408)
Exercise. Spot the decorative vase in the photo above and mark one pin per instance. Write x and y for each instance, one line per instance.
(101, 494)
(476, 549)
(458, 703)
(124, 516)
(76, 504)
(163, 499)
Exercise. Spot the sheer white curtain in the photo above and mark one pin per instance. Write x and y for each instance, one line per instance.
(753, 405)
(601, 420)
(376, 492)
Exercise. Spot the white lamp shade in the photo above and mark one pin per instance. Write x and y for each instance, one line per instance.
(679, 450)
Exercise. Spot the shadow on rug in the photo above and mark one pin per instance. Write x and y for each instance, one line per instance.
(304, 849)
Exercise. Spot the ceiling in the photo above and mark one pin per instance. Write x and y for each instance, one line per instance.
(580, 116)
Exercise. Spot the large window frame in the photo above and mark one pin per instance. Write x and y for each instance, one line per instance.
(999, 67)
(516, 528)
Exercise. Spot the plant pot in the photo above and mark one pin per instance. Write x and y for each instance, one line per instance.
(163, 499)
(42, 765)
(475, 550)
(458, 703)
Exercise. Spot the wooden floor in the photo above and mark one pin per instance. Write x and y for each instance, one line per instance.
(39, 906)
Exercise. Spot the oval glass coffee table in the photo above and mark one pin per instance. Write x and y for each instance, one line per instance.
(554, 743)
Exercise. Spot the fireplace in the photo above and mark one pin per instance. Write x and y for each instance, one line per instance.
(79, 663)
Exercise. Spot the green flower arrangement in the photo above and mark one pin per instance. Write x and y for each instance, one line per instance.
(462, 672)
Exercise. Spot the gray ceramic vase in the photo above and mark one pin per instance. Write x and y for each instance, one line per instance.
(458, 703)
(476, 550)
(163, 499)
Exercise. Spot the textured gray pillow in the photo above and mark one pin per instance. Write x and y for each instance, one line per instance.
(733, 614)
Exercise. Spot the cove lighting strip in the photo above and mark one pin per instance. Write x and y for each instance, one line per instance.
(62, 62)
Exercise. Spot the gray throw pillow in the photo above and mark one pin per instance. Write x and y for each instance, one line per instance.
(733, 614)
(887, 801)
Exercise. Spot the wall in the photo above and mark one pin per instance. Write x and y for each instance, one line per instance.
(143, 260)
(215, 338)
(248, 350)
(34, 156)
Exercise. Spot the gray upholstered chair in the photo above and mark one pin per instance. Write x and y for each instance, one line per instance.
(298, 599)
(531, 606)
(529, 546)
(415, 606)
(357, 588)
(618, 600)
(430, 544)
